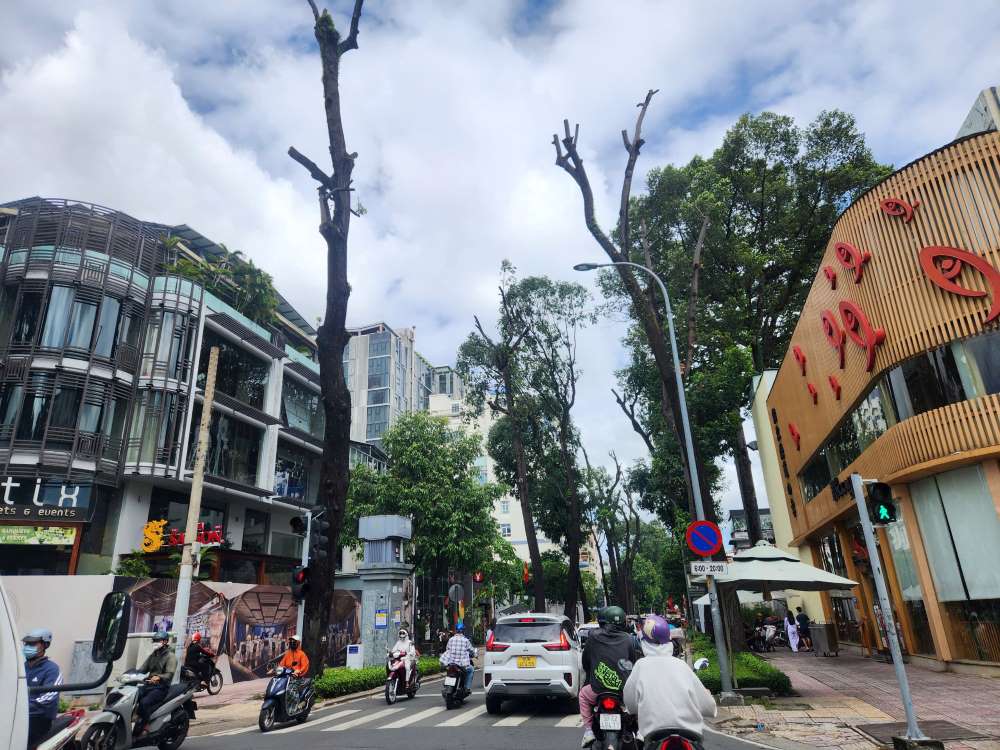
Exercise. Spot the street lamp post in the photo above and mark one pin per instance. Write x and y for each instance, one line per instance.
(720, 636)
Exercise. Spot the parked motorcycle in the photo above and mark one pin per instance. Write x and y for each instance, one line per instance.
(62, 732)
(112, 728)
(286, 699)
(395, 680)
(453, 690)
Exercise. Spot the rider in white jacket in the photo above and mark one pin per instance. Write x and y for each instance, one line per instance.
(404, 644)
(662, 690)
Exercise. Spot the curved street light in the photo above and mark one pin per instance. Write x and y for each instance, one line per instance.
(689, 445)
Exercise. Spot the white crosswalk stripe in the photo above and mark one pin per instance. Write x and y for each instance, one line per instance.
(513, 721)
(573, 720)
(231, 732)
(405, 722)
(363, 720)
(314, 722)
(464, 717)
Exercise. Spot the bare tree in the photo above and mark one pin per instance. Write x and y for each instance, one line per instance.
(335, 222)
(642, 296)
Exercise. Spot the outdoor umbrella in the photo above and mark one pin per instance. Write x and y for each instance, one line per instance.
(745, 597)
(766, 568)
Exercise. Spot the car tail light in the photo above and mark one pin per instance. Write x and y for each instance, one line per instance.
(568, 676)
(609, 703)
(492, 645)
(563, 644)
(675, 742)
(525, 619)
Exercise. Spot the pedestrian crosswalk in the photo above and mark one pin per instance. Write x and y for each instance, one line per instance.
(367, 715)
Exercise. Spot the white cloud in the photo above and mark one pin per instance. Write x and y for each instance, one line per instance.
(182, 111)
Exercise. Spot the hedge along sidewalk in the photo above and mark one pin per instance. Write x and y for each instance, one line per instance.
(336, 682)
(750, 671)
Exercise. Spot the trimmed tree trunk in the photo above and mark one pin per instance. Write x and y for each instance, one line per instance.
(744, 475)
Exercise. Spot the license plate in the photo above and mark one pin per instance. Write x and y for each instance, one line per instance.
(611, 722)
(450, 681)
(526, 662)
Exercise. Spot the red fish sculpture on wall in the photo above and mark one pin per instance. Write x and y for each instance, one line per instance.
(899, 207)
(834, 334)
(852, 259)
(942, 265)
(860, 330)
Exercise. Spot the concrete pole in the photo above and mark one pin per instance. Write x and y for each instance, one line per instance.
(912, 730)
(720, 633)
(183, 599)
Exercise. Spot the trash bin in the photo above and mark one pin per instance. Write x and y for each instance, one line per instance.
(824, 638)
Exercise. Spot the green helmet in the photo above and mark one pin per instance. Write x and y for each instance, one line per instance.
(614, 615)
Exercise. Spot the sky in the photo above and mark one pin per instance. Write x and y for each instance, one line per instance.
(182, 111)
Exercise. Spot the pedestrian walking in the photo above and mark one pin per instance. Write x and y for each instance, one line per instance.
(803, 622)
(792, 630)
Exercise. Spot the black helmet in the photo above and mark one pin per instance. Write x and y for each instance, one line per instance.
(613, 615)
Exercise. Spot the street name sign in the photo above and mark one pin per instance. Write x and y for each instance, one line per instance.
(704, 538)
(709, 568)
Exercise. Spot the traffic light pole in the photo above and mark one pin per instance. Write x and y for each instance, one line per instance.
(912, 730)
(301, 619)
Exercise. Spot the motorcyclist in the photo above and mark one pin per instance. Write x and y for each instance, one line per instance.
(663, 691)
(159, 667)
(296, 660)
(605, 647)
(40, 670)
(460, 651)
(404, 644)
(199, 658)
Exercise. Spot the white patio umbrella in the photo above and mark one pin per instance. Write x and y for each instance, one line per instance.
(745, 597)
(765, 568)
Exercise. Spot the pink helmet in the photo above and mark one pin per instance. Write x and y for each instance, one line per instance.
(655, 630)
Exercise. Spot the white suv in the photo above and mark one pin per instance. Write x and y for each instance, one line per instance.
(531, 655)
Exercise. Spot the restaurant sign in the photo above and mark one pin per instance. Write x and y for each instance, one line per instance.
(46, 500)
(50, 535)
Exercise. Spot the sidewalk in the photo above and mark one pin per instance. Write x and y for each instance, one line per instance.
(835, 695)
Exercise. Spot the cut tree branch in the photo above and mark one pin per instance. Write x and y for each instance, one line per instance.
(629, 409)
(633, 149)
(352, 37)
(693, 297)
(315, 172)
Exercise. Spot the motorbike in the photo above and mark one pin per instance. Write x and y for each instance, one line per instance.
(285, 701)
(213, 684)
(676, 739)
(453, 690)
(395, 680)
(113, 727)
(62, 732)
(613, 726)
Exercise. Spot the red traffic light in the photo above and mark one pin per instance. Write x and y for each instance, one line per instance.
(478, 576)
(300, 583)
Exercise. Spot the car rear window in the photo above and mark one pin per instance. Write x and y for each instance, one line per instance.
(527, 632)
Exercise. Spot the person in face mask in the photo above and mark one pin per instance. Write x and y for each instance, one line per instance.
(160, 666)
(404, 644)
(663, 691)
(41, 670)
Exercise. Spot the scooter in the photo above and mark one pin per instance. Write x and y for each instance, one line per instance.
(212, 685)
(395, 681)
(613, 726)
(64, 728)
(282, 703)
(113, 727)
(676, 739)
(453, 690)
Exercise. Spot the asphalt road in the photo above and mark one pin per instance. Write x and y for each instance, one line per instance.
(424, 724)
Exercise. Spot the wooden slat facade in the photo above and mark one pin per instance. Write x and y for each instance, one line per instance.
(958, 190)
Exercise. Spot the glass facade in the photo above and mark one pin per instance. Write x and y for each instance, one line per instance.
(296, 473)
(234, 449)
(240, 374)
(301, 407)
(909, 587)
(255, 526)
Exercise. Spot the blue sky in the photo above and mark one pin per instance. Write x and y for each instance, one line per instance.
(182, 111)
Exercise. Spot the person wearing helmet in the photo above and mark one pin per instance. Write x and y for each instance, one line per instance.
(404, 644)
(295, 658)
(664, 692)
(159, 667)
(40, 670)
(461, 652)
(604, 649)
(199, 658)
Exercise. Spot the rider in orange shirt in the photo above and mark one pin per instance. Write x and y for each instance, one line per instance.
(295, 658)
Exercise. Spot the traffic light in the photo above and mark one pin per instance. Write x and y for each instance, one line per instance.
(319, 538)
(300, 583)
(299, 525)
(883, 509)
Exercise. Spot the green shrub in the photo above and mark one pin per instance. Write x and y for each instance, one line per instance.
(750, 670)
(338, 681)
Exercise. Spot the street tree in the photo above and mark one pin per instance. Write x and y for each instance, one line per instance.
(494, 372)
(432, 478)
(335, 222)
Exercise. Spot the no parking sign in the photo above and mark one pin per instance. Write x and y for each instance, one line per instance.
(704, 538)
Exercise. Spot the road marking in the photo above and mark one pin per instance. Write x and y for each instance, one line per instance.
(512, 721)
(362, 720)
(414, 718)
(570, 721)
(464, 717)
(230, 732)
(316, 722)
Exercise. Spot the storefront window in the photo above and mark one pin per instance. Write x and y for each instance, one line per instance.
(285, 545)
(240, 375)
(301, 407)
(173, 507)
(296, 473)
(234, 449)
(909, 586)
(255, 531)
(928, 381)
(983, 353)
(872, 417)
(815, 476)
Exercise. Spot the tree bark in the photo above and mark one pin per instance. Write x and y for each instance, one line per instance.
(573, 527)
(692, 311)
(332, 335)
(744, 476)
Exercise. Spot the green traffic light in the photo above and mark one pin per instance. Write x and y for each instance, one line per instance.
(883, 513)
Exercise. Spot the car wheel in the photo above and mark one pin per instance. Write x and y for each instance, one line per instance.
(493, 704)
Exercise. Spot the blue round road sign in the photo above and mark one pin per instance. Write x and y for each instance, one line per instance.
(704, 538)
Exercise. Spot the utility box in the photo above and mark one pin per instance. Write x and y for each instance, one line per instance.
(385, 580)
(355, 656)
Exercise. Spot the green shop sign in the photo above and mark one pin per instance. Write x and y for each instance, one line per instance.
(52, 535)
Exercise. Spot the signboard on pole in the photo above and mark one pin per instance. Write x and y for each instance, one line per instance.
(381, 619)
(709, 568)
(704, 538)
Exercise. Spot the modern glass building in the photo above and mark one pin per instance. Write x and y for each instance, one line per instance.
(104, 353)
